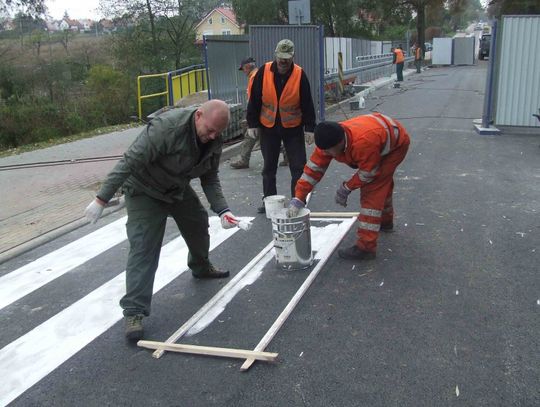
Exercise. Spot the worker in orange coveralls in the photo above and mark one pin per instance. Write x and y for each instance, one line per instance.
(375, 145)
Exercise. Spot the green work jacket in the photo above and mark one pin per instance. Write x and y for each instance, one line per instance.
(165, 157)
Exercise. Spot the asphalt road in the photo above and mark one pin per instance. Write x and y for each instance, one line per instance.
(448, 313)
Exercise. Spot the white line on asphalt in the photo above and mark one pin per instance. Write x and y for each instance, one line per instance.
(36, 274)
(320, 238)
(32, 356)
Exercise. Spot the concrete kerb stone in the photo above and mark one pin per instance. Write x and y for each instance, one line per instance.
(227, 153)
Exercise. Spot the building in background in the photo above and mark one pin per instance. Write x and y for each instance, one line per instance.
(220, 21)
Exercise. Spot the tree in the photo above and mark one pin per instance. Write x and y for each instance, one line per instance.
(419, 6)
(32, 7)
(251, 12)
(337, 16)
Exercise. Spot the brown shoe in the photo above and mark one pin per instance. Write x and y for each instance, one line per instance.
(239, 165)
(355, 253)
(211, 273)
(133, 327)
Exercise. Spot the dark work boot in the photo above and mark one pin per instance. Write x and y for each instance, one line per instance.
(261, 209)
(355, 253)
(211, 273)
(387, 227)
(134, 327)
(239, 164)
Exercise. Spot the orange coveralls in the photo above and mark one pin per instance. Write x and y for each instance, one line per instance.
(375, 146)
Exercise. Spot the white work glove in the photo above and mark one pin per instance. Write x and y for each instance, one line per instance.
(253, 133)
(309, 136)
(228, 220)
(94, 210)
(294, 207)
(342, 194)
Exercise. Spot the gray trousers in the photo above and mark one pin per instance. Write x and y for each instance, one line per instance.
(147, 218)
(247, 147)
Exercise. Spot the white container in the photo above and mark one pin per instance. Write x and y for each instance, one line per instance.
(273, 204)
(292, 240)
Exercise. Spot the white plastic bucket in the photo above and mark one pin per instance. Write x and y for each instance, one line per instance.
(273, 204)
(292, 240)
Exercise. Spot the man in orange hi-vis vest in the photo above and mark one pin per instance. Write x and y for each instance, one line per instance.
(281, 109)
(374, 145)
(399, 61)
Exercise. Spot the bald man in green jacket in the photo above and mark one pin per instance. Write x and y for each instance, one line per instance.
(154, 174)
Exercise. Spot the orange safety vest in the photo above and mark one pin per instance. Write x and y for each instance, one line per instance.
(289, 102)
(418, 53)
(251, 76)
(399, 56)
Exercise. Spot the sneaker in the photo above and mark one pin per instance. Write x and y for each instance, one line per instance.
(211, 273)
(239, 165)
(387, 227)
(261, 209)
(134, 327)
(355, 253)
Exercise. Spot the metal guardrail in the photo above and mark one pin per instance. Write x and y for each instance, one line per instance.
(369, 67)
(178, 84)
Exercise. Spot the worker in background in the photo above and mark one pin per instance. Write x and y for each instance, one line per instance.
(246, 147)
(374, 145)
(417, 57)
(155, 174)
(281, 109)
(399, 61)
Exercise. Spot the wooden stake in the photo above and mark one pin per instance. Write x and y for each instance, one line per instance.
(209, 350)
(325, 255)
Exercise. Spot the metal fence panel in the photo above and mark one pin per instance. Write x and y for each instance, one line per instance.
(463, 51)
(518, 82)
(224, 54)
(442, 51)
(308, 44)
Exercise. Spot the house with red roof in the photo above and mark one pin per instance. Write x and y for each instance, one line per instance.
(220, 21)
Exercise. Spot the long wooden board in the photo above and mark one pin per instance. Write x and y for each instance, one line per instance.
(333, 214)
(209, 350)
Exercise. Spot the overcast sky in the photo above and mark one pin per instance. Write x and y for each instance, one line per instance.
(75, 8)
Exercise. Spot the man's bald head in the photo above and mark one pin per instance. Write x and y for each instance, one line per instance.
(211, 118)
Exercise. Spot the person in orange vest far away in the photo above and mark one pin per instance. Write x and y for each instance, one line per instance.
(399, 61)
(374, 145)
(281, 109)
(417, 57)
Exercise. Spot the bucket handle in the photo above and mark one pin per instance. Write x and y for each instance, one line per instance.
(295, 235)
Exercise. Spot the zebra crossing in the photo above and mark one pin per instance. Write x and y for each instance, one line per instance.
(35, 354)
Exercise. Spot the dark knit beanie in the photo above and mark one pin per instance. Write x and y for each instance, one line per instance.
(328, 134)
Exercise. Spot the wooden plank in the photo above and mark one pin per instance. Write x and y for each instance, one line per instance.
(333, 214)
(325, 255)
(220, 294)
(209, 350)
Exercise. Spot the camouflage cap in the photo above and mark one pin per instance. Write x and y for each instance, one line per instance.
(285, 49)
